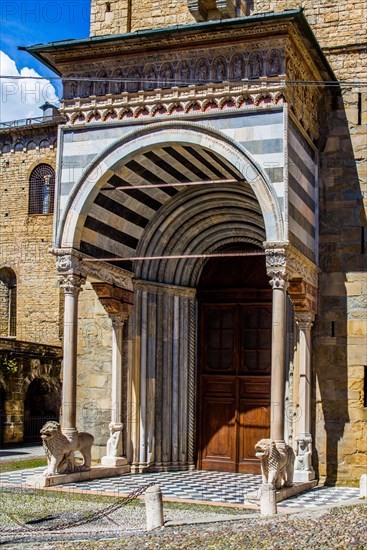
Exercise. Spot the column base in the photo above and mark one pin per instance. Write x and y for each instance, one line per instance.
(40, 481)
(114, 461)
(303, 475)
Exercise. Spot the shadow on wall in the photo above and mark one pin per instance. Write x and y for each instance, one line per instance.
(342, 261)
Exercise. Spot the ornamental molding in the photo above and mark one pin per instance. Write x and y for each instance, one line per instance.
(71, 261)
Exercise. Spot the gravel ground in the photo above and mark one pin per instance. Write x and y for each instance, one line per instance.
(343, 528)
(337, 528)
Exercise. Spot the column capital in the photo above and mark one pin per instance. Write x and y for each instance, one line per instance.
(304, 319)
(71, 282)
(276, 266)
(118, 318)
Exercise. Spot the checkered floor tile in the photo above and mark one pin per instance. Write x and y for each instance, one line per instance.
(197, 485)
(321, 496)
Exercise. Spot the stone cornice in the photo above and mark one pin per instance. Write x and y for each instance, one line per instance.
(188, 37)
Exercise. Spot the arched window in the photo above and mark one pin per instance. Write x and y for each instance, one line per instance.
(8, 302)
(42, 190)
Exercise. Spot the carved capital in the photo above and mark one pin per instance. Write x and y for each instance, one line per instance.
(278, 279)
(305, 319)
(71, 283)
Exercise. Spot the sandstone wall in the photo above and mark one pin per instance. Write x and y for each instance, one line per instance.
(332, 21)
(340, 332)
(94, 369)
(141, 15)
(25, 240)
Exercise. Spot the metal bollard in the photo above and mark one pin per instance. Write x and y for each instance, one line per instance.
(154, 507)
(268, 503)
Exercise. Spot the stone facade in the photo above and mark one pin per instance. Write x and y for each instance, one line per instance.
(153, 76)
(34, 345)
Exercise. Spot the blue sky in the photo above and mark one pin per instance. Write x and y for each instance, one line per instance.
(28, 22)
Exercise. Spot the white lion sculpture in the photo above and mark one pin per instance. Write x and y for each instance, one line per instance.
(277, 463)
(60, 450)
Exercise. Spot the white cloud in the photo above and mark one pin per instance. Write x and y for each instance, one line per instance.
(20, 98)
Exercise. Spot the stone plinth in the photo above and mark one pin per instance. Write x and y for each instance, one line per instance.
(303, 475)
(97, 472)
(281, 494)
(115, 461)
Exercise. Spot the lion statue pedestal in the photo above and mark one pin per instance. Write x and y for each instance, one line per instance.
(60, 450)
(277, 463)
(61, 464)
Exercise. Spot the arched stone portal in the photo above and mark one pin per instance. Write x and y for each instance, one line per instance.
(171, 194)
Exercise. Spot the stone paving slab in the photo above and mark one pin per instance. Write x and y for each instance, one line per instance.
(196, 486)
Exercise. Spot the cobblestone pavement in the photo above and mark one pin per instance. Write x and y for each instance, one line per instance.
(337, 528)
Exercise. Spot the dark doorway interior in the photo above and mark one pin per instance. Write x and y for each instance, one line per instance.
(234, 363)
(42, 403)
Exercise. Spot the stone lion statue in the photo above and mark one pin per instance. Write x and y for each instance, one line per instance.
(60, 450)
(277, 463)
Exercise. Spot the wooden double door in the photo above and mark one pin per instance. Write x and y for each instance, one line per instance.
(234, 384)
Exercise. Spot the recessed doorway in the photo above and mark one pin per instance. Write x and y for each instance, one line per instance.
(234, 363)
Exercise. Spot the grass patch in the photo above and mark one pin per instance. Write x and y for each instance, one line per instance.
(12, 465)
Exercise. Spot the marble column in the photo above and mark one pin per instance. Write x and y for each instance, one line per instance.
(71, 284)
(303, 465)
(278, 356)
(118, 304)
(114, 444)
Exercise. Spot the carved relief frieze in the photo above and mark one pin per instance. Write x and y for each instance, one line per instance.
(162, 69)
